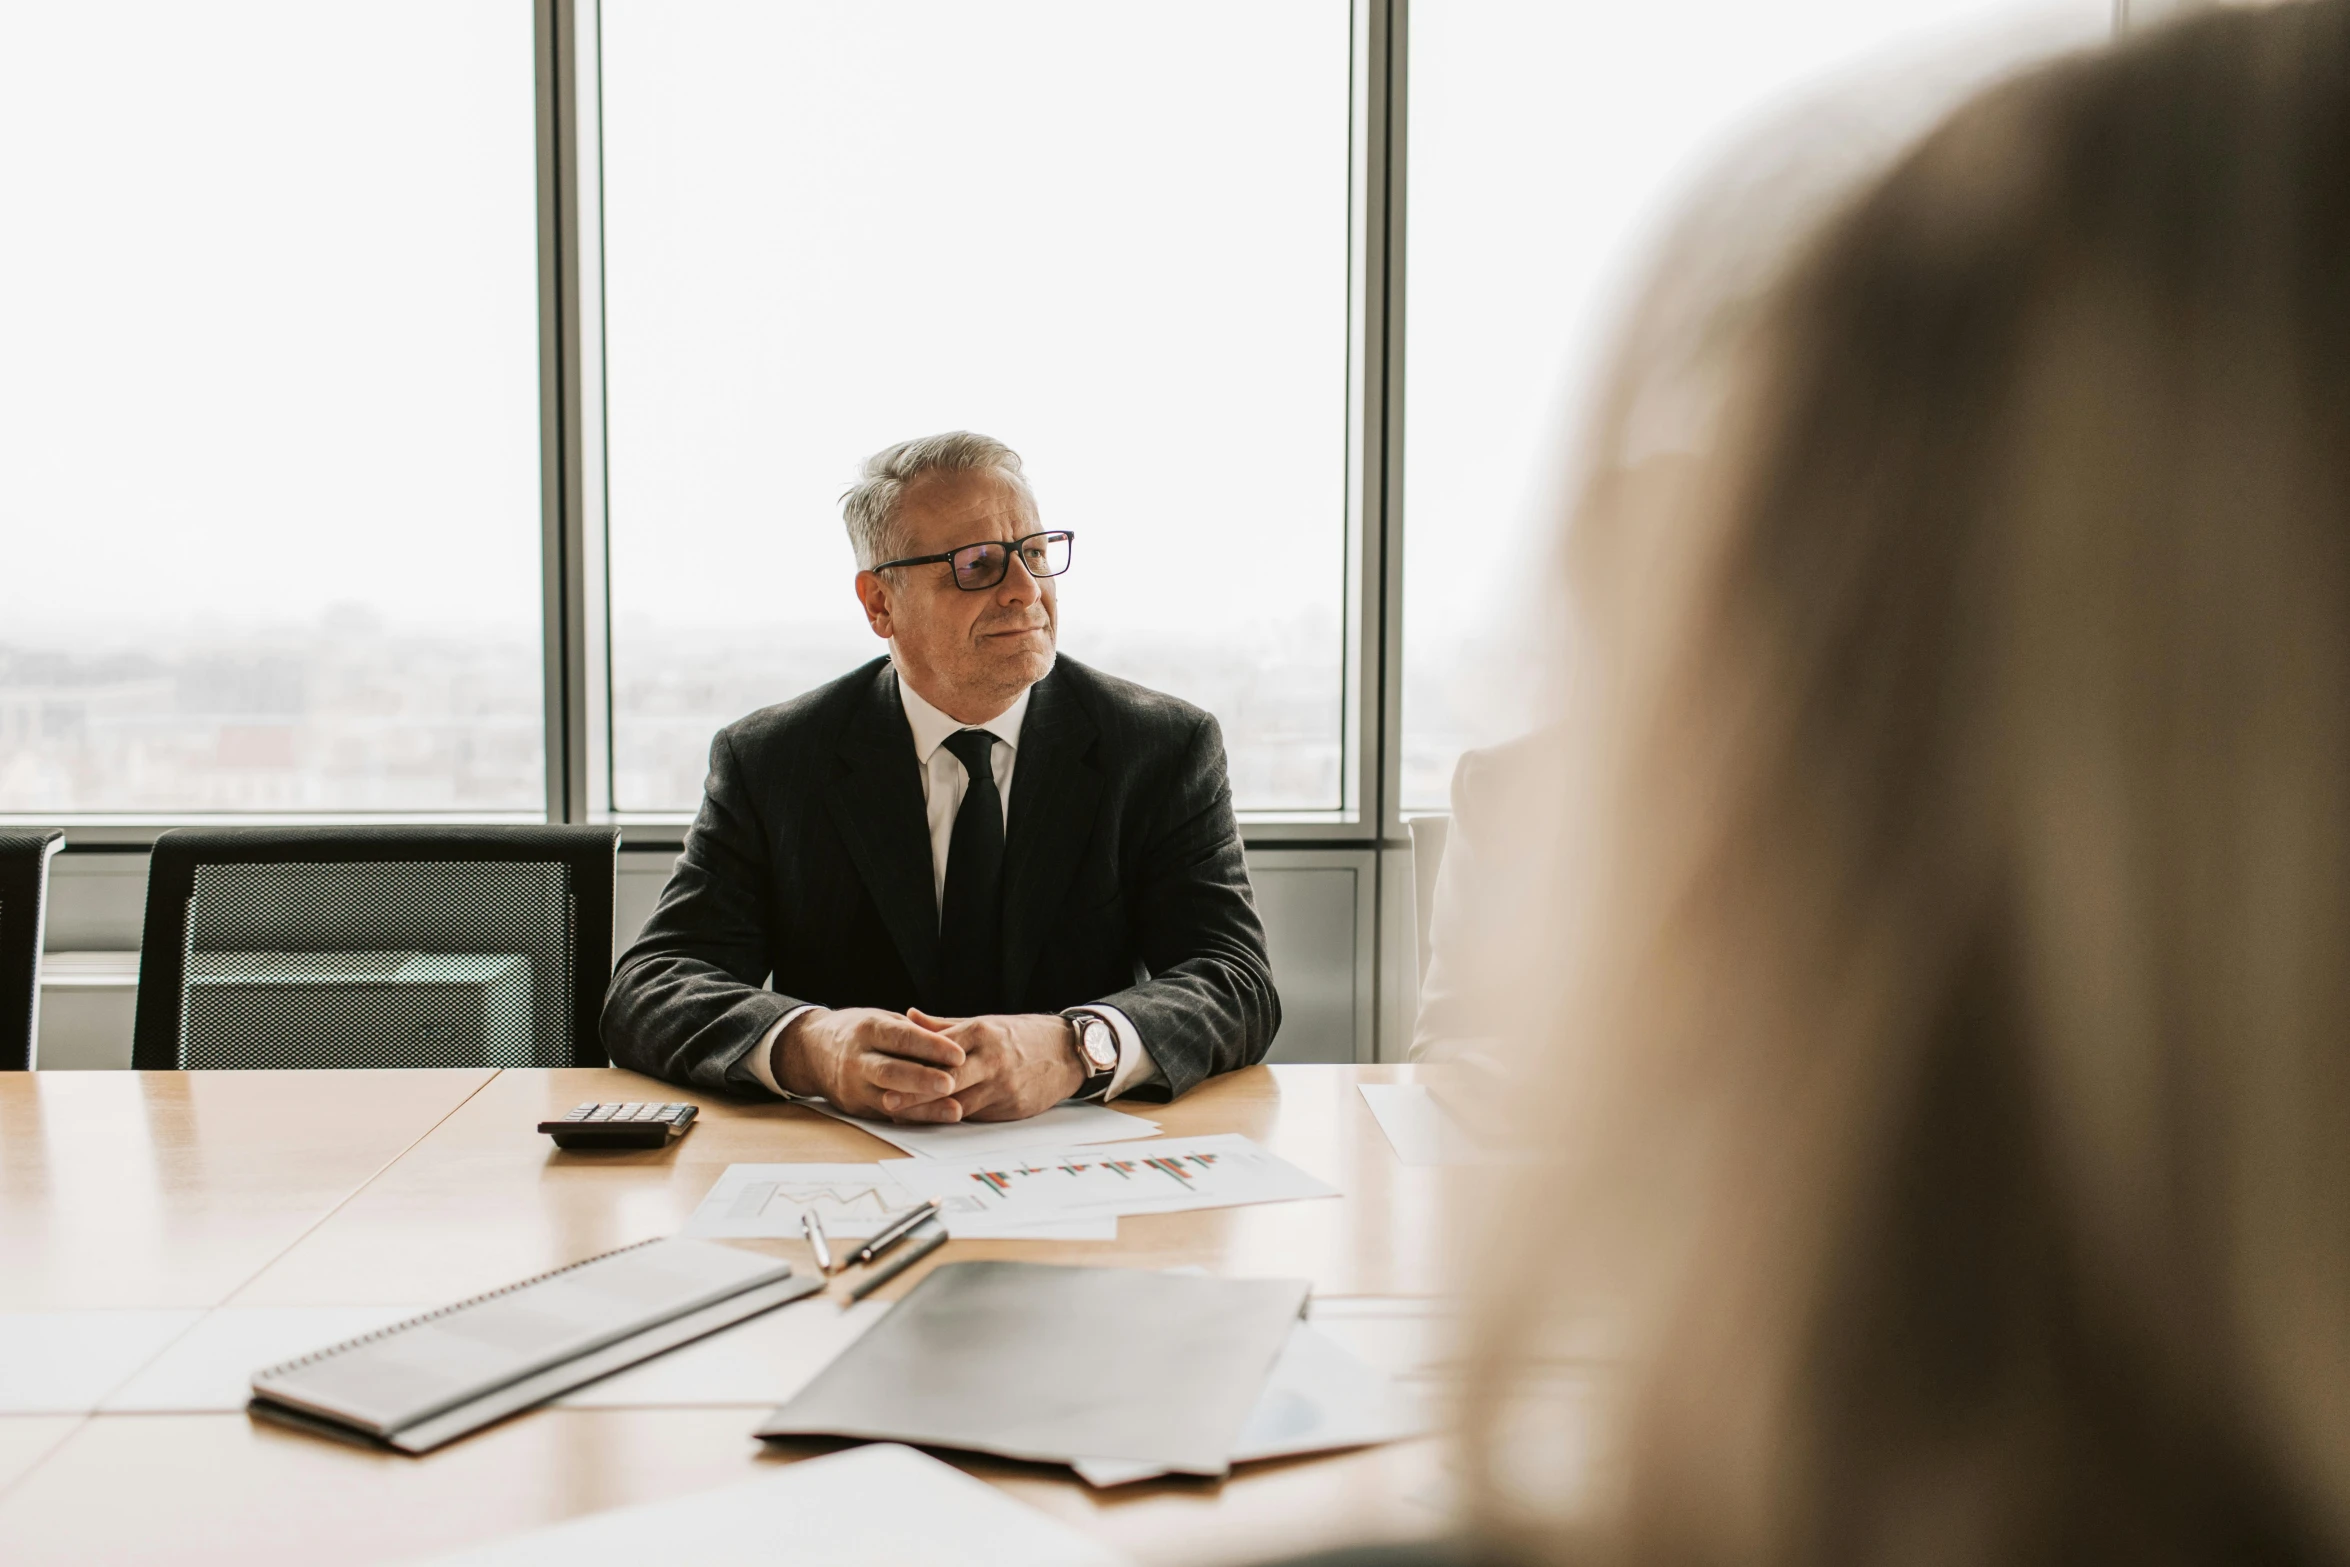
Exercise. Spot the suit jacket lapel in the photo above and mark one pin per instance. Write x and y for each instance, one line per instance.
(1056, 787)
(876, 801)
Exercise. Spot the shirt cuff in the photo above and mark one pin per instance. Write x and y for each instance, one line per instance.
(762, 1059)
(1135, 1066)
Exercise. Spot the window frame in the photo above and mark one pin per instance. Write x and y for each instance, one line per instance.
(575, 571)
(581, 682)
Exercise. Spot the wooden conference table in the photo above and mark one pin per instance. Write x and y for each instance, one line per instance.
(122, 1190)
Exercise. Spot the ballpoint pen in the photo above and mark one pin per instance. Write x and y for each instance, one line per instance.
(813, 1228)
(896, 1230)
(927, 1239)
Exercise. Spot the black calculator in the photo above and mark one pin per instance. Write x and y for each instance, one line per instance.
(621, 1126)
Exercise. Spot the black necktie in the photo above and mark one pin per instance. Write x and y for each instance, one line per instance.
(971, 915)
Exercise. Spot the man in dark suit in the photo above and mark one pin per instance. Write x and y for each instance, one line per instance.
(983, 881)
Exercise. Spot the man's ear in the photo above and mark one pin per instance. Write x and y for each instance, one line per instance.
(873, 593)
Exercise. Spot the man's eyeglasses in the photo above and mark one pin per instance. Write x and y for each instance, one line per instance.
(981, 566)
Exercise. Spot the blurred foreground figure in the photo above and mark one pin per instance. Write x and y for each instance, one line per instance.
(1950, 1112)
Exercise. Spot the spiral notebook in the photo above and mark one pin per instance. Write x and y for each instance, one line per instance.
(427, 1381)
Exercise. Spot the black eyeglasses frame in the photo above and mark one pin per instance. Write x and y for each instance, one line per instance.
(948, 559)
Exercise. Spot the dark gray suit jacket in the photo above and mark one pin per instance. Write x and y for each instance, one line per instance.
(810, 862)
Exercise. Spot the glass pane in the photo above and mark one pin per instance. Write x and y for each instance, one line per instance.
(269, 408)
(1112, 236)
(1547, 141)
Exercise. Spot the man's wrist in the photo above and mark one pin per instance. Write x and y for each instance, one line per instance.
(1093, 1077)
(789, 1062)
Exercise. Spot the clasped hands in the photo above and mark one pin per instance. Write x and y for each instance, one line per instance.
(922, 1068)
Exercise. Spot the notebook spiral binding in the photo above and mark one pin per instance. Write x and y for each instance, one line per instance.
(435, 1315)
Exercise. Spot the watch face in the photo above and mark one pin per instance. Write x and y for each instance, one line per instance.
(1099, 1045)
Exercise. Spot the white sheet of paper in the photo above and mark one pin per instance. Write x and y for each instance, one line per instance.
(852, 1201)
(210, 1368)
(66, 1362)
(1318, 1397)
(1417, 1127)
(1223, 1171)
(1063, 1126)
(867, 1507)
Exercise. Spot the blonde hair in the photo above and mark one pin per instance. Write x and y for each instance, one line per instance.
(1954, 1096)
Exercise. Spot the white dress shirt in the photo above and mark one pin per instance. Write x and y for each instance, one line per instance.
(943, 786)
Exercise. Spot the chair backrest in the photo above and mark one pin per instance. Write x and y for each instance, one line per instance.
(24, 904)
(376, 947)
(1428, 835)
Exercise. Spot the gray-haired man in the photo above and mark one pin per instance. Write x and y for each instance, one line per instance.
(983, 880)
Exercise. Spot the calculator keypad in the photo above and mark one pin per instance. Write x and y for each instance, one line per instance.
(631, 1112)
(632, 1124)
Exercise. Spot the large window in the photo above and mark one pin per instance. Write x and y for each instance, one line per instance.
(1114, 236)
(1547, 143)
(269, 408)
(272, 437)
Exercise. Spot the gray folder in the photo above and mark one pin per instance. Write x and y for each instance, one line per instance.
(1051, 1364)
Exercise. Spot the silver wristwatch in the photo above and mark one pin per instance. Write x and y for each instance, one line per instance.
(1097, 1052)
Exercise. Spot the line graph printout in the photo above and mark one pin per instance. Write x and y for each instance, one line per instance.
(1168, 1176)
(765, 1201)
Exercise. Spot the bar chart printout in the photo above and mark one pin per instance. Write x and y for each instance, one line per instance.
(1223, 1171)
(1183, 1172)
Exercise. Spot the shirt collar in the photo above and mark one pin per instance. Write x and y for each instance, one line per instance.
(931, 727)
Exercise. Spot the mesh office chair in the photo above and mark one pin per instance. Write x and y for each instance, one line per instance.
(24, 900)
(376, 947)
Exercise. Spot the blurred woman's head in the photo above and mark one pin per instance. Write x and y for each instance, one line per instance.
(1956, 1089)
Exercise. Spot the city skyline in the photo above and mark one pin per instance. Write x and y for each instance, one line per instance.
(349, 713)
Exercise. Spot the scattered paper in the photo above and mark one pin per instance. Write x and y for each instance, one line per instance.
(853, 1201)
(869, 1505)
(1318, 1398)
(1321, 1397)
(1417, 1127)
(1223, 1171)
(1062, 1126)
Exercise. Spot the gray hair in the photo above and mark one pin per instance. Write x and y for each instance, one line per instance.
(870, 507)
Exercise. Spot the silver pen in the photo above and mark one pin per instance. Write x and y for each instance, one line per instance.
(928, 1238)
(896, 1230)
(813, 1228)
